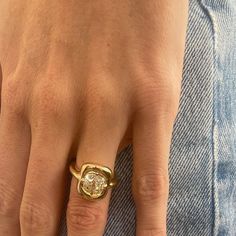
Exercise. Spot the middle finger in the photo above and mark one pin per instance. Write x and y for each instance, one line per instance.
(45, 183)
(46, 177)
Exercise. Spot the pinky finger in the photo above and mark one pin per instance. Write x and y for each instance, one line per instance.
(151, 141)
(0, 86)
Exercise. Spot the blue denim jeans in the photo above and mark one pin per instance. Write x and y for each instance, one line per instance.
(202, 166)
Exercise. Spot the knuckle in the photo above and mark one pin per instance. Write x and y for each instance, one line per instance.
(151, 187)
(50, 100)
(84, 216)
(35, 217)
(9, 201)
(103, 101)
(159, 95)
(102, 96)
(13, 96)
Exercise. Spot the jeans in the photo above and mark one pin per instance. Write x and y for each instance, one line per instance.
(202, 165)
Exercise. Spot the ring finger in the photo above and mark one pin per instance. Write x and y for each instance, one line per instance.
(99, 142)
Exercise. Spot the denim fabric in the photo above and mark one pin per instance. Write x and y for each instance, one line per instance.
(202, 166)
(223, 18)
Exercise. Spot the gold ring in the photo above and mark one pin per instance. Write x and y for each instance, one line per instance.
(93, 180)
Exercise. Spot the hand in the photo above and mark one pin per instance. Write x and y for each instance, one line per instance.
(85, 78)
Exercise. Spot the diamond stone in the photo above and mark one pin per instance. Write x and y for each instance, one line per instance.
(94, 184)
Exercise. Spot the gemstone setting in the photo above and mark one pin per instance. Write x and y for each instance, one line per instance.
(93, 184)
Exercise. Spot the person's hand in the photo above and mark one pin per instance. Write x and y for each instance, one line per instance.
(85, 78)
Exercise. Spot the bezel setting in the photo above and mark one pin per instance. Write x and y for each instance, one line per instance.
(94, 181)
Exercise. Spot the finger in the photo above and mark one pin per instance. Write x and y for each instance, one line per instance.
(98, 144)
(0, 86)
(127, 140)
(14, 154)
(151, 140)
(45, 183)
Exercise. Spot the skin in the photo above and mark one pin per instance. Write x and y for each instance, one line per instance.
(84, 79)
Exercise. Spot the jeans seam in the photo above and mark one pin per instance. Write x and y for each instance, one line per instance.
(214, 138)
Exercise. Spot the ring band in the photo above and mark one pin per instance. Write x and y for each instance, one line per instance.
(94, 180)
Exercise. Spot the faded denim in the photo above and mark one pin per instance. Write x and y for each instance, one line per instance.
(202, 166)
